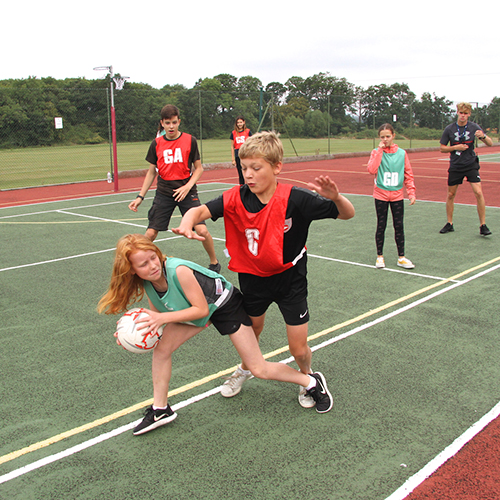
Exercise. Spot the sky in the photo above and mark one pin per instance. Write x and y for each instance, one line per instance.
(448, 48)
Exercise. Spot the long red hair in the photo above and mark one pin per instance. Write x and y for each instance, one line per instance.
(126, 287)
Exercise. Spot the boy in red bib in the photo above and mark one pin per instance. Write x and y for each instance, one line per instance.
(266, 227)
(174, 155)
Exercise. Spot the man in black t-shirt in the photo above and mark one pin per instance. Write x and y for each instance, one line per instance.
(464, 163)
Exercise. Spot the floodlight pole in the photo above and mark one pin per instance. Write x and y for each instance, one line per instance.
(113, 126)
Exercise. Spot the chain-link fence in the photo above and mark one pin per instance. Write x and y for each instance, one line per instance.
(62, 135)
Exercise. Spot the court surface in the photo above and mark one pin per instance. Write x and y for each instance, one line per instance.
(411, 357)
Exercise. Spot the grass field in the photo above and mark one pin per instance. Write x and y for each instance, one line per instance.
(58, 165)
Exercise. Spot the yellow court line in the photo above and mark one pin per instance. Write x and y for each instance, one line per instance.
(209, 378)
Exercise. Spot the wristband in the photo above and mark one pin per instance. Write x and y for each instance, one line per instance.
(141, 197)
(483, 138)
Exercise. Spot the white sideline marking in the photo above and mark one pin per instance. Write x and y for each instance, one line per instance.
(413, 482)
(92, 442)
(386, 269)
(451, 450)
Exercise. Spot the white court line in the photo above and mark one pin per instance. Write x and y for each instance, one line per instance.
(413, 482)
(90, 253)
(386, 269)
(92, 442)
(213, 237)
(450, 451)
(97, 204)
(101, 219)
(75, 256)
(69, 208)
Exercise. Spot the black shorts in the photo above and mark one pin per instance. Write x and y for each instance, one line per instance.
(163, 207)
(456, 177)
(288, 289)
(229, 318)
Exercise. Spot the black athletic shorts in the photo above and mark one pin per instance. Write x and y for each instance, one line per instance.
(229, 318)
(288, 289)
(457, 177)
(164, 205)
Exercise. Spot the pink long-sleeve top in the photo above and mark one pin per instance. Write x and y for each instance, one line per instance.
(409, 183)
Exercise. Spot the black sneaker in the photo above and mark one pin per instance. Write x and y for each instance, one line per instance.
(448, 228)
(154, 418)
(484, 231)
(214, 267)
(321, 394)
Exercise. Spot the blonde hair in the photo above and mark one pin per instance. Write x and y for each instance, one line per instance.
(265, 145)
(126, 287)
(464, 107)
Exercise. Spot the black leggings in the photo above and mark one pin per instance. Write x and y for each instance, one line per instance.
(241, 179)
(397, 210)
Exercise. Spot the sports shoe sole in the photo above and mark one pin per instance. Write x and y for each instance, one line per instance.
(306, 401)
(405, 266)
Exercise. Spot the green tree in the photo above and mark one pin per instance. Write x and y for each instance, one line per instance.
(381, 102)
(432, 111)
(316, 123)
(490, 115)
(294, 126)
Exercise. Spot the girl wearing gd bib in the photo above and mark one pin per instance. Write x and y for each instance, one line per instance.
(392, 170)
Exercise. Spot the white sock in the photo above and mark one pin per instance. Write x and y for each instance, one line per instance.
(159, 407)
(312, 383)
(245, 372)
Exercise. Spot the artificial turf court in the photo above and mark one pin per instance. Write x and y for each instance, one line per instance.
(411, 357)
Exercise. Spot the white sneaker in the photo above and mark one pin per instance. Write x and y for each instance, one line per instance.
(380, 263)
(406, 263)
(305, 400)
(232, 385)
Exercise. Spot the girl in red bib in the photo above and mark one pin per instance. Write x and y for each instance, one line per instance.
(238, 137)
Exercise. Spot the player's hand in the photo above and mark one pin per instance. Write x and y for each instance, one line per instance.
(381, 145)
(479, 133)
(412, 200)
(324, 186)
(181, 193)
(116, 337)
(150, 323)
(187, 232)
(461, 147)
(134, 205)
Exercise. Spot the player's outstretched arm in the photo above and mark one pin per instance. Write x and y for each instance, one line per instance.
(190, 219)
(324, 186)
